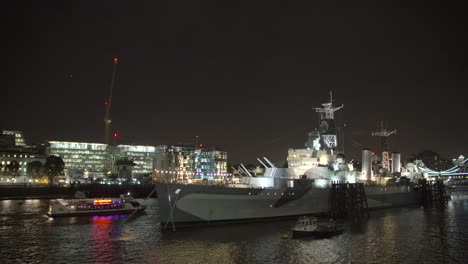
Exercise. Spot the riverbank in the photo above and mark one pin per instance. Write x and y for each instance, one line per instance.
(27, 191)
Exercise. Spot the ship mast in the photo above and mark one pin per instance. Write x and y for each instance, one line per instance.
(383, 134)
(327, 123)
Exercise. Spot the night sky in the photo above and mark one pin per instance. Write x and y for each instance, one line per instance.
(245, 77)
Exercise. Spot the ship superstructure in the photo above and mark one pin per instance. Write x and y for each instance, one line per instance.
(301, 189)
(320, 159)
(327, 124)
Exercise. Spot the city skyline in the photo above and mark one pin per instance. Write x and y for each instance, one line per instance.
(246, 79)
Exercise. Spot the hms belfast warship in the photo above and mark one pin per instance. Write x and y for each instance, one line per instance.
(301, 189)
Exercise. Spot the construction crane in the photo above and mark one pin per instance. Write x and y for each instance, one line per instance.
(108, 104)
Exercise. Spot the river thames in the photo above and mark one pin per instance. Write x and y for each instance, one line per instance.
(402, 235)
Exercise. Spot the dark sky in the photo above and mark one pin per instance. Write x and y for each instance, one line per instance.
(245, 77)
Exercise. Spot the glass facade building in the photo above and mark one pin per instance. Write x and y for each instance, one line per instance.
(88, 159)
(95, 160)
(182, 162)
(98, 160)
(142, 156)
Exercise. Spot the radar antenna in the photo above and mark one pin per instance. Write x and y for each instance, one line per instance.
(383, 134)
(327, 123)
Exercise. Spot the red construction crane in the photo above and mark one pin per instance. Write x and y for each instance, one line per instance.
(108, 104)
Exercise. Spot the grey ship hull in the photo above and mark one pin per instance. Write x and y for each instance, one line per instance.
(206, 204)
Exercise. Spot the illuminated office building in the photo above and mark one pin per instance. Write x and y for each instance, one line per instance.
(184, 162)
(15, 154)
(142, 156)
(80, 158)
(96, 160)
(21, 157)
(12, 139)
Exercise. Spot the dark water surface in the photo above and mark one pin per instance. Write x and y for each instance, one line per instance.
(403, 235)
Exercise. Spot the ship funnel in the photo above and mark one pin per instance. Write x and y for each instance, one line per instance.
(396, 164)
(366, 171)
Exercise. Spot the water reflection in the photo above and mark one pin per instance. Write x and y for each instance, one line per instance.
(100, 244)
(250, 243)
(391, 236)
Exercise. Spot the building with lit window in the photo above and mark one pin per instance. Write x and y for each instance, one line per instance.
(95, 160)
(87, 160)
(184, 162)
(15, 154)
(12, 137)
(142, 156)
(220, 161)
(21, 157)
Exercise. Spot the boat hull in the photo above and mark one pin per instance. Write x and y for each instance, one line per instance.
(205, 204)
(105, 206)
(96, 212)
(317, 233)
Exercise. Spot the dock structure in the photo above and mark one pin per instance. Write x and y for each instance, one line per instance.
(348, 200)
(433, 193)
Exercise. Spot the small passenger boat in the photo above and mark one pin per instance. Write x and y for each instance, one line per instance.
(308, 226)
(125, 204)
